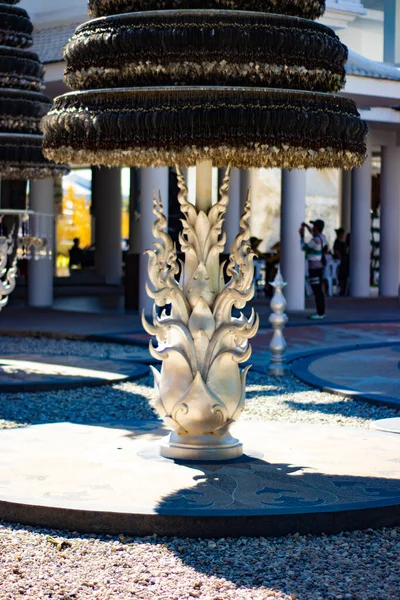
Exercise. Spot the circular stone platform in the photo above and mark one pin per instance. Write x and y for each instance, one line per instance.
(388, 425)
(41, 372)
(367, 372)
(109, 478)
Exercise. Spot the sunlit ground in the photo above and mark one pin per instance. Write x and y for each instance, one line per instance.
(43, 564)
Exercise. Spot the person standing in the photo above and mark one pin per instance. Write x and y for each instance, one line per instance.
(75, 255)
(315, 253)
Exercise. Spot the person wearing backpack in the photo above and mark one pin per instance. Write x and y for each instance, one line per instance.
(315, 251)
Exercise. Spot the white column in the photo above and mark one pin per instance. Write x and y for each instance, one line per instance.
(203, 185)
(245, 185)
(293, 210)
(150, 180)
(134, 225)
(107, 208)
(41, 271)
(391, 28)
(232, 216)
(360, 242)
(345, 201)
(390, 216)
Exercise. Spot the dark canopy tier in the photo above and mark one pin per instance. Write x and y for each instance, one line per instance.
(20, 69)
(206, 80)
(22, 103)
(309, 9)
(21, 112)
(21, 157)
(15, 27)
(205, 48)
(244, 127)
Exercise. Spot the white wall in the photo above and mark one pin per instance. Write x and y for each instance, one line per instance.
(322, 201)
(365, 35)
(265, 187)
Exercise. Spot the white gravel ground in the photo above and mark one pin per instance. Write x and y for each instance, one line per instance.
(32, 345)
(42, 564)
(288, 399)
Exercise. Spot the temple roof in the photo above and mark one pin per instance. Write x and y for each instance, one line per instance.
(364, 67)
(49, 42)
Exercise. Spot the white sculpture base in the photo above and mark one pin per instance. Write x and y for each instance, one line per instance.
(201, 447)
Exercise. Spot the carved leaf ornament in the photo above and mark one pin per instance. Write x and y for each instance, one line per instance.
(200, 388)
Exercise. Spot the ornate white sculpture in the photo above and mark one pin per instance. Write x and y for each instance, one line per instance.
(278, 320)
(8, 271)
(17, 241)
(200, 389)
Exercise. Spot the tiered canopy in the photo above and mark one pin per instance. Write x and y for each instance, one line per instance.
(22, 102)
(237, 82)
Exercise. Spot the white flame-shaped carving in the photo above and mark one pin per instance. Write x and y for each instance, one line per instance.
(8, 269)
(200, 389)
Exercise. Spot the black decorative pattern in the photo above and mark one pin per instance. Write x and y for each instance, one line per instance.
(143, 99)
(15, 27)
(22, 111)
(249, 484)
(21, 157)
(22, 103)
(299, 128)
(20, 69)
(212, 48)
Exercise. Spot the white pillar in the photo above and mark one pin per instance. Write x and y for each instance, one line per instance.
(106, 190)
(203, 185)
(391, 29)
(293, 210)
(41, 271)
(232, 216)
(245, 185)
(134, 225)
(360, 243)
(390, 216)
(345, 201)
(150, 180)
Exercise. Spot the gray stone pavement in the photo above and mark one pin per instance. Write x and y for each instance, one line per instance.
(353, 324)
(369, 373)
(383, 379)
(388, 425)
(301, 478)
(104, 314)
(292, 478)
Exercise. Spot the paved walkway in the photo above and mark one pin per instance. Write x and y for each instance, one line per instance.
(322, 479)
(348, 339)
(369, 373)
(104, 314)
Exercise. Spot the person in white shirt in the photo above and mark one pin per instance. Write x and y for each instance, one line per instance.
(315, 253)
